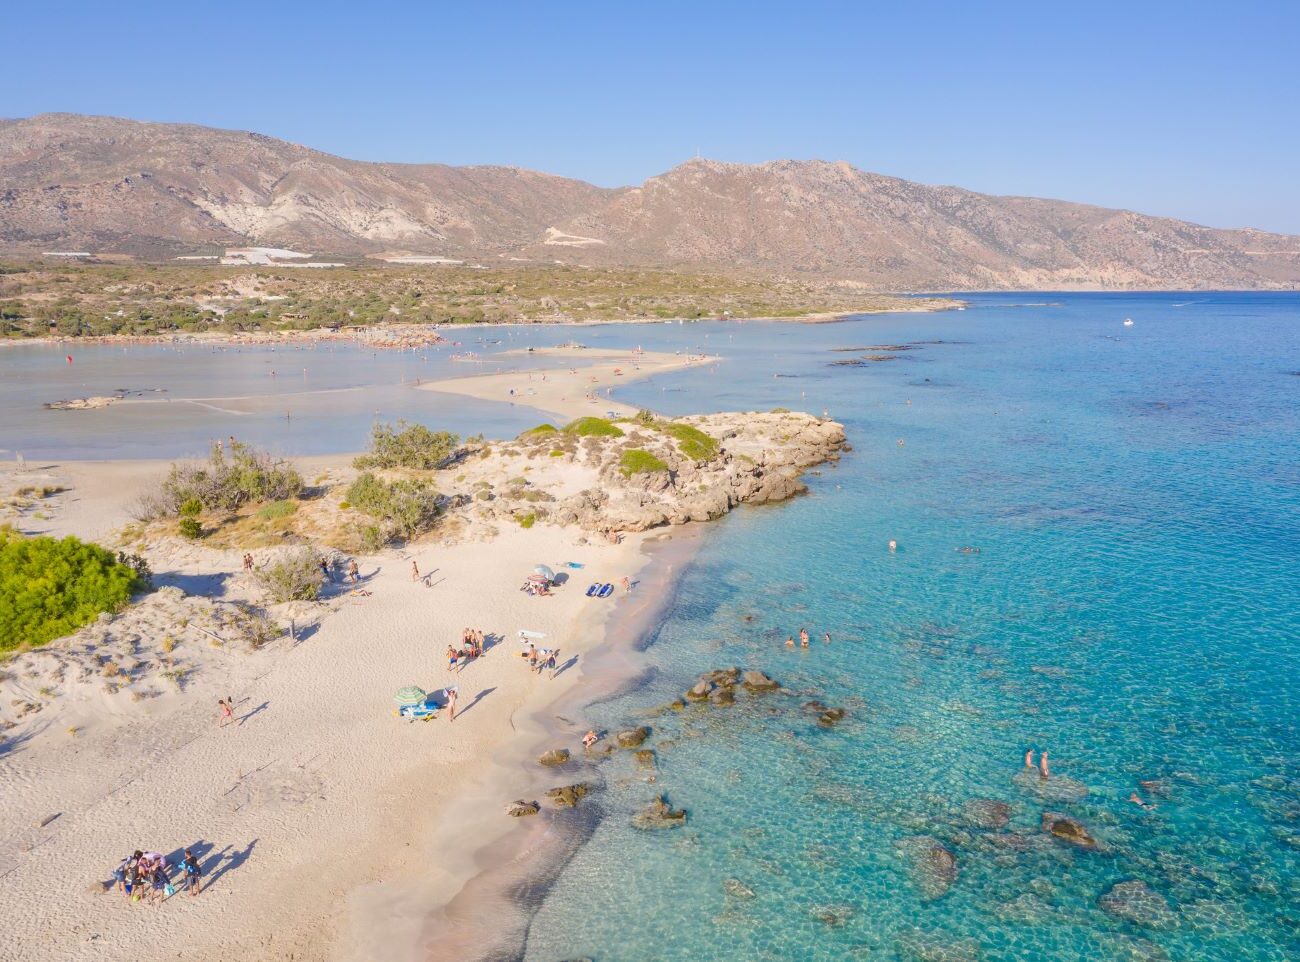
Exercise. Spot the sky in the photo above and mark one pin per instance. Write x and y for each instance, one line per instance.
(1184, 109)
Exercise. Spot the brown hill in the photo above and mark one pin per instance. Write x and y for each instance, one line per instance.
(99, 183)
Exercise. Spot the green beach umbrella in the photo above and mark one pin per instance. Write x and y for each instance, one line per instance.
(410, 695)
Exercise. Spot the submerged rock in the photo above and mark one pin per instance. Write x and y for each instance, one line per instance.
(644, 756)
(832, 915)
(934, 868)
(566, 796)
(1136, 902)
(553, 757)
(521, 809)
(986, 813)
(1069, 830)
(737, 889)
(917, 946)
(722, 697)
(659, 814)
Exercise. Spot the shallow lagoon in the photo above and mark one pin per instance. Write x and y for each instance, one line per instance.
(1134, 608)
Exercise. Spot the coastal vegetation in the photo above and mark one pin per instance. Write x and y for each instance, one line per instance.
(72, 300)
(292, 576)
(226, 481)
(593, 427)
(50, 587)
(408, 446)
(401, 509)
(637, 461)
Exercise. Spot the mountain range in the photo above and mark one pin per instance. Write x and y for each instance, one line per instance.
(155, 191)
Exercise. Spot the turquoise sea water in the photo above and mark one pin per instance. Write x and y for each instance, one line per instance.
(1134, 608)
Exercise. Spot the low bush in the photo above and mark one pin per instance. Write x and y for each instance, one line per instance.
(294, 576)
(277, 510)
(50, 587)
(408, 446)
(692, 442)
(540, 429)
(403, 508)
(227, 481)
(637, 461)
(190, 528)
(527, 520)
(592, 427)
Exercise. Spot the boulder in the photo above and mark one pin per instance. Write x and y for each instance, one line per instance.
(722, 696)
(659, 814)
(758, 681)
(566, 796)
(521, 809)
(832, 915)
(830, 717)
(644, 756)
(934, 867)
(700, 691)
(737, 889)
(986, 813)
(632, 737)
(1069, 830)
(1136, 902)
(553, 757)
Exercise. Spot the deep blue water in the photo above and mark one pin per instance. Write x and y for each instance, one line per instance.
(1134, 608)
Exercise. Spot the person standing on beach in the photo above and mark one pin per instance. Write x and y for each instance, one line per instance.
(453, 656)
(452, 692)
(354, 573)
(415, 571)
(551, 659)
(193, 875)
(227, 712)
(627, 585)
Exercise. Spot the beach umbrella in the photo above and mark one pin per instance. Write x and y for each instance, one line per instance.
(410, 695)
(545, 572)
(537, 579)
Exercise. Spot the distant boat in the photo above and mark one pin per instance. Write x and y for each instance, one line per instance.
(1128, 322)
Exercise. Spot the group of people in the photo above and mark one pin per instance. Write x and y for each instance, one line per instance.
(536, 587)
(472, 642)
(143, 874)
(353, 572)
(804, 638)
(543, 660)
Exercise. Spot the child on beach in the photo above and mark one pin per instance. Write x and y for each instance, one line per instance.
(227, 712)
(193, 874)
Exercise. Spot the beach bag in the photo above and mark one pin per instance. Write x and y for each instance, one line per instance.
(169, 890)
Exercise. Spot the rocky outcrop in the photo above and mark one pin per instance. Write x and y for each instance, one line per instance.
(1069, 830)
(933, 866)
(986, 813)
(632, 737)
(553, 757)
(758, 681)
(567, 796)
(658, 815)
(522, 809)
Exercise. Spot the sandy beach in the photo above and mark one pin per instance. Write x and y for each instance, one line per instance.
(573, 393)
(308, 808)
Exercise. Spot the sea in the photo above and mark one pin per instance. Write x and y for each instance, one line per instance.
(1096, 532)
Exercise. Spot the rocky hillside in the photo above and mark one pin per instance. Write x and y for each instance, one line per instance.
(107, 185)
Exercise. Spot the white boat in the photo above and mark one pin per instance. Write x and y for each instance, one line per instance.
(1128, 322)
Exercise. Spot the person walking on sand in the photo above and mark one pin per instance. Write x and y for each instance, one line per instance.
(227, 712)
(1042, 765)
(325, 570)
(453, 656)
(627, 585)
(193, 875)
(415, 571)
(452, 692)
(354, 573)
(551, 659)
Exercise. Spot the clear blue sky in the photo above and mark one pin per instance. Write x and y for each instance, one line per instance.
(1188, 109)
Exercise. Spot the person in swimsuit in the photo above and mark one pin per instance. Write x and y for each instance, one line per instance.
(415, 571)
(789, 642)
(550, 660)
(193, 874)
(354, 573)
(1029, 758)
(227, 712)
(590, 738)
(803, 638)
(1042, 765)
(451, 702)
(453, 656)
(827, 638)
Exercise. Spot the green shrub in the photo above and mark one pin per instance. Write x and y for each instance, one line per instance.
(190, 528)
(540, 429)
(295, 576)
(192, 508)
(225, 482)
(403, 508)
(780, 411)
(557, 453)
(50, 587)
(408, 446)
(528, 520)
(276, 510)
(692, 442)
(637, 461)
(591, 427)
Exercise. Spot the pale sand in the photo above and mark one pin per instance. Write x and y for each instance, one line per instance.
(319, 811)
(577, 392)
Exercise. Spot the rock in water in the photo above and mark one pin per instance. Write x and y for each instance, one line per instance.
(1069, 830)
(553, 757)
(566, 796)
(659, 814)
(1138, 903)
(986, 813)
(737, 889)
(934, 868)
(758, 681)
(632, 737)
(519, 808)
(644, 756)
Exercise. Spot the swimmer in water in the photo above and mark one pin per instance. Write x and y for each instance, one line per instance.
(803, 637)
(893, 545)
(1042, 765)
(789, 642)
(1137, 800)
(827, 638)
(1029, 758)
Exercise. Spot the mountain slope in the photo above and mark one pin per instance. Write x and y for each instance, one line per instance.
(99, 183)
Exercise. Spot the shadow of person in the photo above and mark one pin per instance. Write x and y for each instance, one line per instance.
(565, 667)
(477, 698)
(224, 862)
(260, 708)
